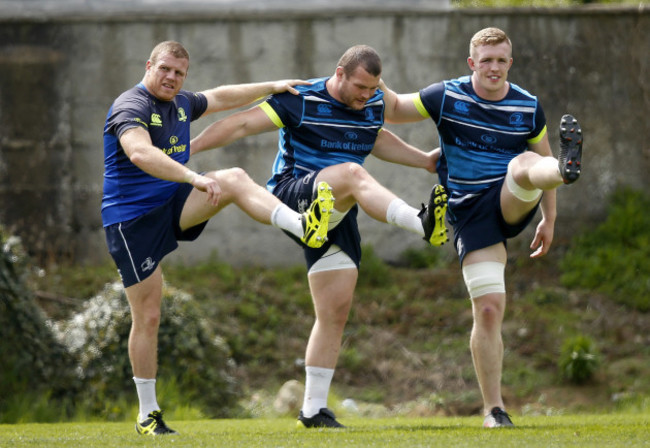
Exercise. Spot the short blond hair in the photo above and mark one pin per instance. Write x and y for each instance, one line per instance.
(174, 48)
(488, 36)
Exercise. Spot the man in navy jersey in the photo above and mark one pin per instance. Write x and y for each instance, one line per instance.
(496, 161)
(151, 200)
(326, 132)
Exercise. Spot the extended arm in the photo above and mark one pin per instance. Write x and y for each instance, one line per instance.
(237, 95)
(546, 227)
(390, 148)
(227, 130)
(400, 108)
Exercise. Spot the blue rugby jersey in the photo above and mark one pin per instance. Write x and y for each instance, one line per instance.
(317, 131)
(128, 191)
(479, 137)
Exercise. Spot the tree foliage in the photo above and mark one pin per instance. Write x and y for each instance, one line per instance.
(32, 358)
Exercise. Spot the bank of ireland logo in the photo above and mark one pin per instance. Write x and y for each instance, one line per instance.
(324, 109)
(461, 107)
(181, 114)
(489, 139)
(351, 136)
(156, 120)
(173, 140)
(517, 118)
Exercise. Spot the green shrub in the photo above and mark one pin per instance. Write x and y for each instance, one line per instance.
(426, 257)
(188, 351)
(33, 361)
(614, 258)
(352, 359)
(373, 271)
(578, 359)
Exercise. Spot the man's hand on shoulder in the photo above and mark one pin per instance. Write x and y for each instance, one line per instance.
(287, 85)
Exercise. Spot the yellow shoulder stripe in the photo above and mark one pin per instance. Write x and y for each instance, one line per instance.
(268, 110)
(420, 107)
(539, 136)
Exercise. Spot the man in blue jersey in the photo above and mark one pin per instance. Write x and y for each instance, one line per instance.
(151, 200)
(326, 132)
(496, 161)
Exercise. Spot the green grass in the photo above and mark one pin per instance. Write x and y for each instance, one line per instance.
(619, 430)
(405, 346)
(536, 3)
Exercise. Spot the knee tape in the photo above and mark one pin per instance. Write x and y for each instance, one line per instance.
(484, 278)
(332, 260)
(521, 193)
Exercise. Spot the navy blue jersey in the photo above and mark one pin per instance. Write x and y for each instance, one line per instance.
(128, 191)
(317, 131)
(479, 137)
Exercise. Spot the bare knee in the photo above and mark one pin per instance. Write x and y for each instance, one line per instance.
(153, 320)
(233, 183)
(237, 173)
(341, 313)
(231, 176)
(147, 321)
(336, 315)
(356, 171)
(488, 311)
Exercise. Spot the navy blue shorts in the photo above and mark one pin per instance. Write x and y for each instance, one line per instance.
(298, 194)
(478, 221)
(139, 245)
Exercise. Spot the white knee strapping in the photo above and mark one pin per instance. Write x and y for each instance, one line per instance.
(519, 192)
(484, 278)
(332, 260)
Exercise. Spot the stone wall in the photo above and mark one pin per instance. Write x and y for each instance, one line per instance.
(61, 71)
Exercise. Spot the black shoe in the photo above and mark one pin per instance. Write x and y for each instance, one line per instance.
(324, 419)
(153, 425)
(497, 418)
(570, 149)
(433, 217)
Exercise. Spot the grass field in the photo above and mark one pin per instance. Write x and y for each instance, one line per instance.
(617, 430)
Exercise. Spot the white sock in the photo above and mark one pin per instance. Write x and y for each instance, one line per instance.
(286, 219)
(147, 395)
(317, 387)
(404, 216)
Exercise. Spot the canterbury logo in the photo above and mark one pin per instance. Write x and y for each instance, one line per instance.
(156, 120)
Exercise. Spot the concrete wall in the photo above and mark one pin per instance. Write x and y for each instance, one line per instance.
(61, 71)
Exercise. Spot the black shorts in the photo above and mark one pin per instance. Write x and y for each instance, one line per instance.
(298, 194)
(478, 221)
(139, 245)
